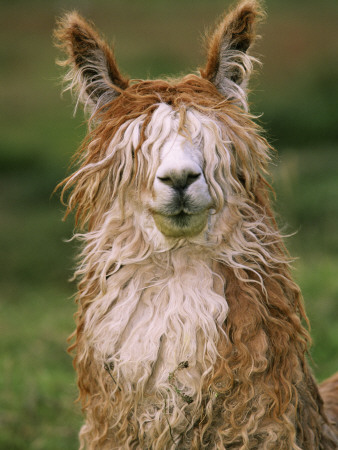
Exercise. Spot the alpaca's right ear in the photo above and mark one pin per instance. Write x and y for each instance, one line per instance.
(93, 73)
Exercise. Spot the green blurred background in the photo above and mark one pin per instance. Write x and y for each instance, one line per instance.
(297, 89)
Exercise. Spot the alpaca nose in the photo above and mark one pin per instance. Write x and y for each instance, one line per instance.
(179, 179)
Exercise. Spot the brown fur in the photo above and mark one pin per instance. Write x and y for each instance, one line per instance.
(329, 393)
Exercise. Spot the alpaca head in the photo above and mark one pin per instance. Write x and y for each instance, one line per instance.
(175, 151)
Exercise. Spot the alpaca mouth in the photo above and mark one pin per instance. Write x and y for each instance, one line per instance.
(182, 218)
(181, 224)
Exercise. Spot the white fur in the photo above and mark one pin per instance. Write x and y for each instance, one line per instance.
(179, 155)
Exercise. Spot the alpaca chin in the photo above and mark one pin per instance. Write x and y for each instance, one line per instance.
(181, 225)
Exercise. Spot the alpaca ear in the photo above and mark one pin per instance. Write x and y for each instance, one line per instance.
(228, 64)
(93, 73)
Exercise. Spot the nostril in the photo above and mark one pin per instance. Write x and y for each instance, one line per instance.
(166, 180)
(179, 180)
(191, 178)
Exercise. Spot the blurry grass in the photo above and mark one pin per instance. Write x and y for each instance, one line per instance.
(37, 382)
(307, 194)
(297, 91)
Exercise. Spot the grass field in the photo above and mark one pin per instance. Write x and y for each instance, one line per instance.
(298, 92)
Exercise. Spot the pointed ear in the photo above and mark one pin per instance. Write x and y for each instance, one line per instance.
(228, 64)
(93, 73)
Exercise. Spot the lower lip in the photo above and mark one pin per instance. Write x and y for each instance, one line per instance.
(181, 225)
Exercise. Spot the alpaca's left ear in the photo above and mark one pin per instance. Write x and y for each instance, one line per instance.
(228, 64)
(93, 73)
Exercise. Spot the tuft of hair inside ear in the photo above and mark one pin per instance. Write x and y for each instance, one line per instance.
(229, 66)
(93, 76)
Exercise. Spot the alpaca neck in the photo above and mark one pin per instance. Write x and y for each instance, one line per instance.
(156, 314)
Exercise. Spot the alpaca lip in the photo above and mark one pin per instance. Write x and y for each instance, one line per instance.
(181, 214)
(182, 218)
(173, 212)
(180, 224)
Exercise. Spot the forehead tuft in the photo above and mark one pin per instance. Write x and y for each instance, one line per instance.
(142, 97)
(188, 89)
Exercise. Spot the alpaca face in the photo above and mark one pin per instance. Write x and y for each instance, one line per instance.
(181, 196)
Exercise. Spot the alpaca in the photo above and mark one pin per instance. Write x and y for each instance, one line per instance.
(190, 331)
